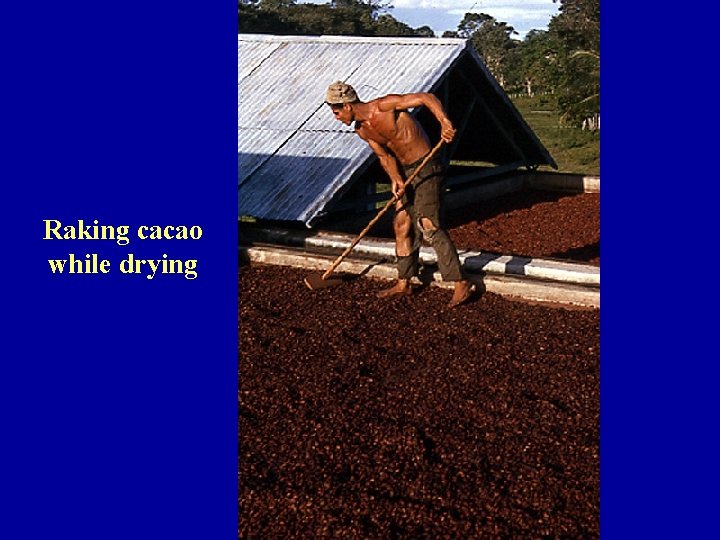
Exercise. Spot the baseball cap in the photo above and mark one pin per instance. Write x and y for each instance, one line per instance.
(339, 93)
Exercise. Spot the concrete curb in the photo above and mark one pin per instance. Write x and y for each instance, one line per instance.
(526, 289)
(473, 261)
(564, 182)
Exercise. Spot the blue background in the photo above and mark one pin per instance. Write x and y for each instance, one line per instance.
(119, 394)
(659, 222)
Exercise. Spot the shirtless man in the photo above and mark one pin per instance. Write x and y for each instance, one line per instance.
(400, 144)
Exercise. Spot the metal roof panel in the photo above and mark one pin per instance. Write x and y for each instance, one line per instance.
(293, 156)
(298, 179)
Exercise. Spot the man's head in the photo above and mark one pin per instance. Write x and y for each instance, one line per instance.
(341, 97)
(339, 93)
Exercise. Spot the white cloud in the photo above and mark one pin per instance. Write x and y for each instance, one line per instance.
(441, 15)
(426, 4)
(465, 6)
(522, 15)
(510, 14)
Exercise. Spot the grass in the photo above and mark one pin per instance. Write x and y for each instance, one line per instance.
(574, 150)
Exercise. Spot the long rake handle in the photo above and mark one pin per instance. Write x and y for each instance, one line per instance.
(392, 201)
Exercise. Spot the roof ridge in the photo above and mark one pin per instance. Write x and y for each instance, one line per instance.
(398, 40)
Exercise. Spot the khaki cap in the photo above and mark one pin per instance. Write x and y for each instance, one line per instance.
(339, 93)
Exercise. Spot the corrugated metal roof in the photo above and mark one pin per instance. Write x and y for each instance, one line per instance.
(293, 156)
(297, 180)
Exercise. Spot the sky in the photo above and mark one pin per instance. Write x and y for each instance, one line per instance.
(441, 15)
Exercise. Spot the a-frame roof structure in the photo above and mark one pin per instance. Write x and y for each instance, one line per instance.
(295, 160)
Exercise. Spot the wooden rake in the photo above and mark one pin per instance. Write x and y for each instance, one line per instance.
(317, 280)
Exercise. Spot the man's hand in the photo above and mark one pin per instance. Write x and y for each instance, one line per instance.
(447, 131)
(397, 189)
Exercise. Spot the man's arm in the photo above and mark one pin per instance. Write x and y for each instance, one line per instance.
(394, 102)
(389, 164)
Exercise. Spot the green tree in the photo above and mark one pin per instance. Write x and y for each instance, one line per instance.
(533, 63)
(337, 17)
(387, 25)
(577, 30)
(276, 4)
(491, 39)
(424, 31)
(365, 8)
(253, 20)
(312, 19)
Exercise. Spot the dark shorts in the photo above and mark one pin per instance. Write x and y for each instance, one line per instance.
(422, 196)
(422, 199)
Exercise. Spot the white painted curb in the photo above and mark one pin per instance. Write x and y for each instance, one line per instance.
(473, 261)
(562, 294)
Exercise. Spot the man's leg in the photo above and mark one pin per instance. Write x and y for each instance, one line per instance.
(448, 260)
(447, 256)
(407, 254)
(427, 208)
